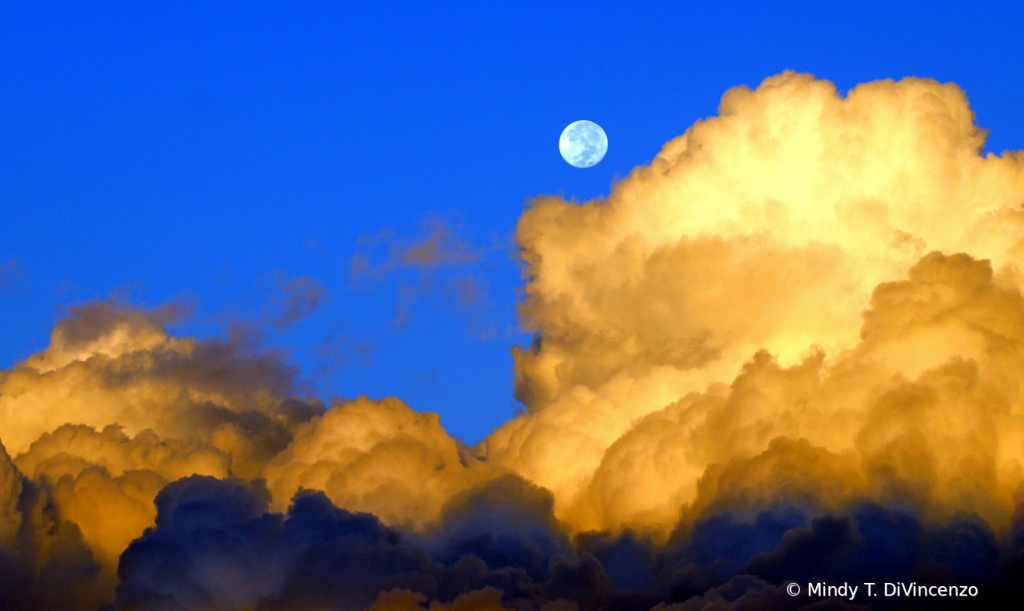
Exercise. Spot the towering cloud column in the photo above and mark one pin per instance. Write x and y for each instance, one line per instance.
(768, 227)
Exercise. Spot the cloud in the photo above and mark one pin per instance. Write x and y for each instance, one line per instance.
(462, 292)
(506, 522)
(44, 561)
(439, 245)
(215, 545)
(70, 447)
(109, 364)
(338, 349)
(10, 493)
(11, 273)
(375, 456)
(105, 481)
(295, 299)
(440, 262)
(487, 599)
(918, 412)
(468, 291)
(795, 194)
(772, 227)
(789, 348)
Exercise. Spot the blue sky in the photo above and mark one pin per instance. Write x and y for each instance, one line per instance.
(214, 152)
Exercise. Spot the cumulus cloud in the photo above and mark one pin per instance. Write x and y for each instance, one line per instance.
(405, 600)
(215, 545)
(10, 493)
(920, 411)
(789, 348)
(105, 482)
(771, 227)
(376, 456)
(44, 562)
(794, 194)
(70, 447)
(109, 364)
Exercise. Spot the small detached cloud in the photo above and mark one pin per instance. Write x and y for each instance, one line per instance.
(11, 273)
(439, 263)
(295, 299)
(339, 349)
(438, 245)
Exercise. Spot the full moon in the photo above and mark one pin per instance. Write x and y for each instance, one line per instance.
(583, 144)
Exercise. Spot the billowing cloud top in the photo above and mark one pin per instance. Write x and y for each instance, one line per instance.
(790, 348)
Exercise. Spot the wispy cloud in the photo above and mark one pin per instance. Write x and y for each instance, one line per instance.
(439, 262)
(294, 299)
(339, 349)
(11, 273)
(439, 244)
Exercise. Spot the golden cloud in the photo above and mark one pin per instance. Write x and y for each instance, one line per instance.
(811, 300)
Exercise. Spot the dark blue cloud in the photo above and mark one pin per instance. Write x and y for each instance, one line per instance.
(216, 545)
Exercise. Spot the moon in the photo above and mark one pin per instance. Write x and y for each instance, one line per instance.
(583, 144)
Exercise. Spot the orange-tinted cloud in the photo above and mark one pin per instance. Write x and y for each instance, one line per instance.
(439, 245)
(794, 338)
(771, 227)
